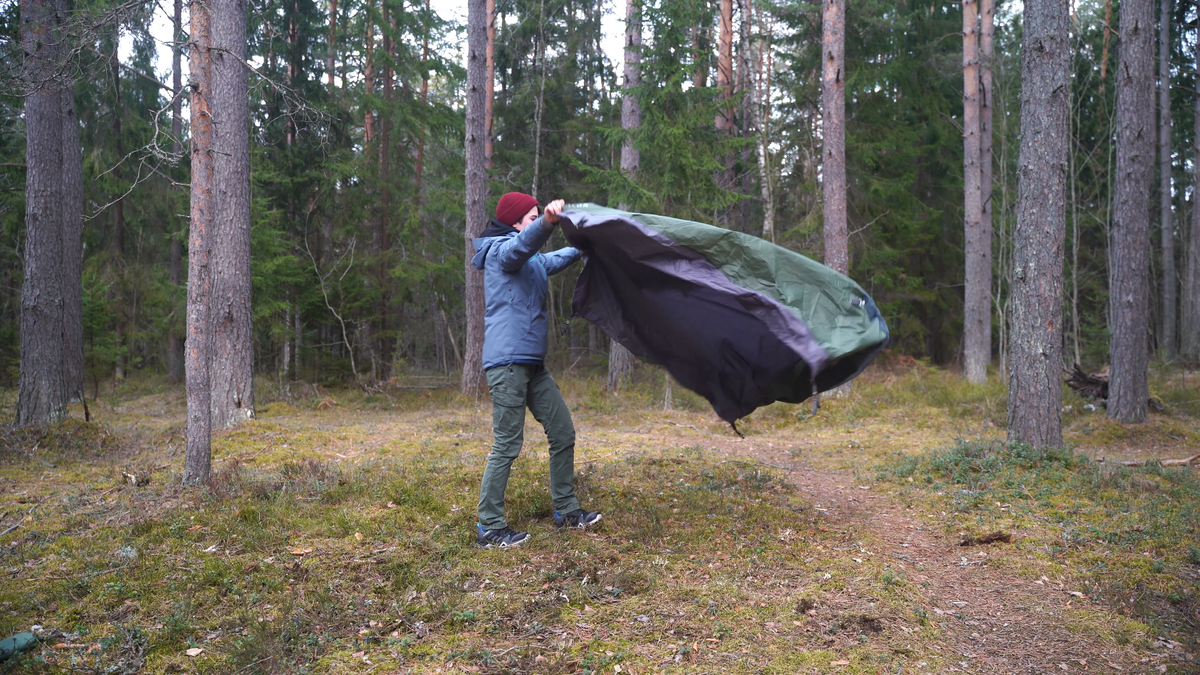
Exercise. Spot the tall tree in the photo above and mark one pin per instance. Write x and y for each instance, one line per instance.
(977, 297)
(833, 133)
(386, 341)
(763, 61)
(620, 359)
(1035, 363)
(724, 119)
(476, 186)
(42, 396)
(204, 212)
(1190, 333)
(120, 317)
(987, 33)
(489, 96)
(72, 238)
(1129, 251)
(231, 374)
(1165, 219)
(220, 340)
(175, 261)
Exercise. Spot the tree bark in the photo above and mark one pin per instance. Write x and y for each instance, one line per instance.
(1165, 218)
(1035, 344)
(204, 212)
(72, 242)
(1190, 333)
(231, 374)
(1104, 53)
(121, 313)
(42, 394)
(833, 118)
(725, 115)
(1129, 266)
(977, 297)
(369, 74)
(476, 186)
(762, 112)
(489, 95)
(620, 360)
(175, 267)
(987, 30)
(385, 341)
(419, 162)
(331, 50)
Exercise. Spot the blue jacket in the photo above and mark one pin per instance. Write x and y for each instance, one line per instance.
(515, 285)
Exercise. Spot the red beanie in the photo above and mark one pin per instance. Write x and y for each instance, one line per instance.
(513, 206)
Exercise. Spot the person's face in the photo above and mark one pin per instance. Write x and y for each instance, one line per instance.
(529, 218)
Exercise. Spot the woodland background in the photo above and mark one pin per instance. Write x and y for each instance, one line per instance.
(357, 124)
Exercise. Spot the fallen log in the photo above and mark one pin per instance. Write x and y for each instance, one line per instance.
(1188, 461)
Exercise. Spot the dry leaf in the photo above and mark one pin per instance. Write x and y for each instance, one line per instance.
(357, 655)
(195, 651)
(301, 551)
(1077, 594)
(839, 663)
(358, 536)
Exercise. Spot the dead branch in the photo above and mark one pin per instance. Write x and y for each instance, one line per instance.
(1094, 387)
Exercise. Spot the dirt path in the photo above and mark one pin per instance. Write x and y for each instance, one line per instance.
(993, 621)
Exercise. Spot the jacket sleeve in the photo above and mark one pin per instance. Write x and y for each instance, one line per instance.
(557, 261)
(516, 251)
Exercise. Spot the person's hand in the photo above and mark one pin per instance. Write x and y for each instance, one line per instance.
(553, 209)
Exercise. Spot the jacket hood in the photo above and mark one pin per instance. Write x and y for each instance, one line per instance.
(497, 229)
(494, 232)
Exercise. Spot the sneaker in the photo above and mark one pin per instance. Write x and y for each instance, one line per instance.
(577, 518)
(504, 537)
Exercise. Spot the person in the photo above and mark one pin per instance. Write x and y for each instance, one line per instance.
(515, 283)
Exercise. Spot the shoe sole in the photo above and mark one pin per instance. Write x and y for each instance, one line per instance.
(581, 526)
(491, 546)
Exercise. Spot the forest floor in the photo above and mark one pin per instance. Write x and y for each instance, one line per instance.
(337, 536)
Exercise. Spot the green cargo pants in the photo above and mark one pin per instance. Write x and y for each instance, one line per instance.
(515, 387)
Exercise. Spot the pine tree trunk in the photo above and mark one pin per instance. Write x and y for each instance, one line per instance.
(476, 186)
(620, 360)
(987, 30)
(1189, 341)
(231, 374)
(1129, 266)
(1166, 220)
(489, 95)
(1035, 356)
(204, 213)
(175, 266)
(42, 395)
(1104, 53)
(385, 341)
(419, 162)
(725, 115)
(72, 242)
(331, 48)
(977, 297)
(121, 314)
(369, 74)
(833, 120)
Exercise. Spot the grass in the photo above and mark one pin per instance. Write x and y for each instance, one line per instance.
(1126, 535)
(337, 535)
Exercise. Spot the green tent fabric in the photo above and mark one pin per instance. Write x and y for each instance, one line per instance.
(737, 319)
